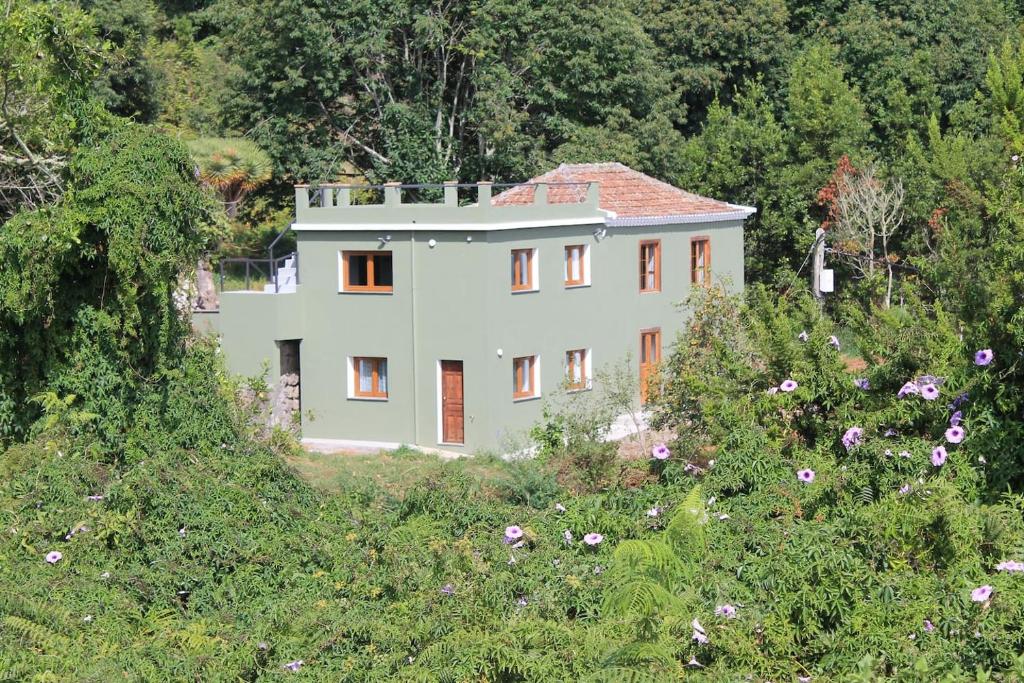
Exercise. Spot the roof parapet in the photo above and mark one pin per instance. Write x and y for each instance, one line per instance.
(445, 203)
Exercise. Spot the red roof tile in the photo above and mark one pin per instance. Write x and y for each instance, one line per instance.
(627, 193)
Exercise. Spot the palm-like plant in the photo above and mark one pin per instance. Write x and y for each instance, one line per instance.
(232, 167)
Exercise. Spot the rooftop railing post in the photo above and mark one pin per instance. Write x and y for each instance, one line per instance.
(301, 197)
(593, 194)
(392, 194)
(540, 194)
(326, 196)
(343, 197)
(483, 193)
(451, 193)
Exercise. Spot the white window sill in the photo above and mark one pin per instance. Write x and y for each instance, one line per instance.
(525, 291)
(368, 398)
(525, 398)
(451, 443)
(585, 284)
(351, 291)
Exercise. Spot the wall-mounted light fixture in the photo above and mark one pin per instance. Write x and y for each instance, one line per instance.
(501, 352)
(600, 233)
(431, 243)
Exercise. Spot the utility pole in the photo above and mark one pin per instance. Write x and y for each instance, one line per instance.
(818, 264)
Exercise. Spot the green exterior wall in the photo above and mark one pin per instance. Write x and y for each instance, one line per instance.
(452, 301)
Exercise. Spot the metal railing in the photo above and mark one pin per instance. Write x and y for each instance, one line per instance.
(252, 274)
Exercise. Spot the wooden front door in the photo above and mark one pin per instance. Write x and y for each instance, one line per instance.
(452, 416)
(650, 355)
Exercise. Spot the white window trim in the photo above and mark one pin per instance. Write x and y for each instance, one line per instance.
(341, 279)
(534, 270)
(588, 369)
(586, 267)
(535, 368)
(352, 378)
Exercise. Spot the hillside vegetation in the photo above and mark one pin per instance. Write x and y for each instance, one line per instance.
(843, 498)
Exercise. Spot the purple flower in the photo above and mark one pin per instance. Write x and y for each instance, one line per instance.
(54, 556)
(727, 611)
(1010, 566)
(983, 357)
(890, 432)
(939, 456)
(928, 626)
(929, 392)
(788, 386)
(981, 593)
(803, 336)
(660, 452)
(956, 418)
(512, 533)
(806, 476)
(955, 434)
(908, 389)
(293, 666)
(567, 535)
(522, 602)
(448, 589)
(862, 383)
(593, 538)
(852, 437)
(654, 511)
(834, 341)
(772, 391)
(959, 400)
(905, 489)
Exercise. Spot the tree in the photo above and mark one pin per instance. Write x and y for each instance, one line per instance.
(232, 167)
(866, 212)
(49, 59)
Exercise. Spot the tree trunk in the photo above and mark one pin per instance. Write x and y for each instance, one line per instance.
(206, 291)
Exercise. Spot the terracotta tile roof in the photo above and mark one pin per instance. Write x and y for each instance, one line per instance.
(628, 193)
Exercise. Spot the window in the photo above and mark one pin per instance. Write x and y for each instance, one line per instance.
(700, 261)
(577, 369)
(650, 266)
(366, 271)
(369, 377)
(524, 377)
(650, 355)
(524, 265)
(577, 265)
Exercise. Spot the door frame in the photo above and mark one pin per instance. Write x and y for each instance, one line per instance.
(440, 403)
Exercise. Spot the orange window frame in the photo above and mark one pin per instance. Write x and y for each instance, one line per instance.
(371, 283)
(650, 266)
(570, 369)
(581, 251)
(524, 368)
(378, 369)
(650, 356)
(700, 274)
(522, 272)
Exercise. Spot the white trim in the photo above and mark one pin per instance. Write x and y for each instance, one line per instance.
(352, 379)
(440, 407)
(588, 368)
(534, 270)
(738, 213)
(585, 265)
(451, 227)
(535, 378)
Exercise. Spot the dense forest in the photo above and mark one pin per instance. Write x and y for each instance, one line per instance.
(843, 497)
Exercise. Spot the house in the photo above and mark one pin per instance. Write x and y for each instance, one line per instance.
(441, 316)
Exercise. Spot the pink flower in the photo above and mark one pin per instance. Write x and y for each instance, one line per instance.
(593, 538)
(660, 452)
(905, 489)
(512, 533)
(806, 476)
(293, 666)
(1010, 566)
(928, 626)
(54, 556)
(981, 593)
(939, 456)
(852, 437)
(955, 434)
(929, 392)
(788, 386)
(984, 357)
(908, 389)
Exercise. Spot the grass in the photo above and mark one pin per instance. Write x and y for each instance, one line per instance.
(392, 471)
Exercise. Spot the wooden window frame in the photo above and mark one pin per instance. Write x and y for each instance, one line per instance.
(518, 393)
(528, 285)
(371, 286)
(584, 382)
(375, 373)
(584, 275)
(706, 270)
(656, 244)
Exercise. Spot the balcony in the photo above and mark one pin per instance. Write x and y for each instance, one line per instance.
(267, 275)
